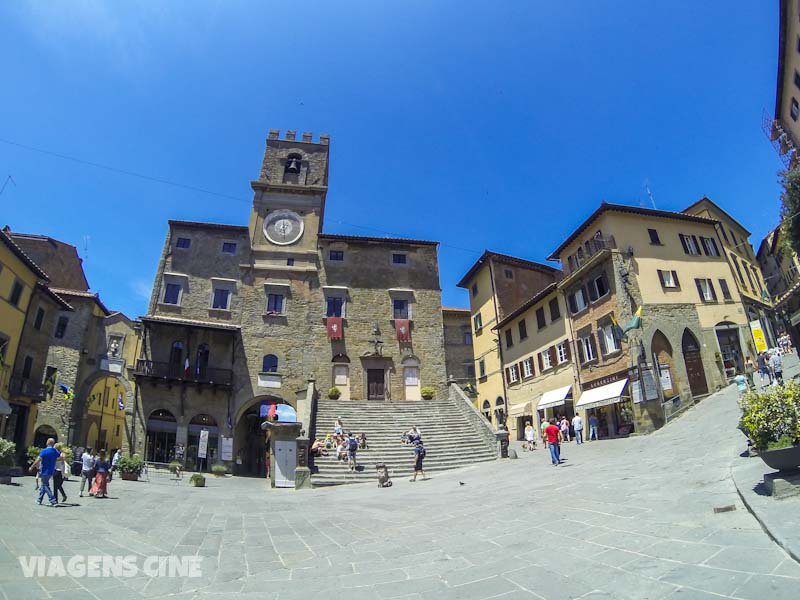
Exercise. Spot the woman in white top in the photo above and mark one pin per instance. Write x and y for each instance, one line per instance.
(58, 477)
(87, 469)
(530, 436)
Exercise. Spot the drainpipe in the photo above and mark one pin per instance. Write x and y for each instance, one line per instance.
(499, 343)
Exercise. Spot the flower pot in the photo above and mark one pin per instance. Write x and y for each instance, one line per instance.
(784, 459)
(130, 476)
(198, 482)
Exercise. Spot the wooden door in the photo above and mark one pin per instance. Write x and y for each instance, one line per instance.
(694, 365)
(375, 384)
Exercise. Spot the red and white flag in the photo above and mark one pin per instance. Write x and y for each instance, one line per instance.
(187, 370)
(334, 328)
(403, 329)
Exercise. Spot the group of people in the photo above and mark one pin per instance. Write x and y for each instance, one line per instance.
(770, 367)
(413, 437)
(51, 465)
(567, 430)
(785, 342)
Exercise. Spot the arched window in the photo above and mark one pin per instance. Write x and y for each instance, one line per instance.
(269, 364)
(176, 359)
(499, 401)
(201, 363)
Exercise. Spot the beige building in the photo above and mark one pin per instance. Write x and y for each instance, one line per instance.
(785, 129)
(459, 362)
(539, 366)
(242, 317)
(497, 285)
(780, 266)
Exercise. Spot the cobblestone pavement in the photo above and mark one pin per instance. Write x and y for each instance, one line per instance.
(629, 519)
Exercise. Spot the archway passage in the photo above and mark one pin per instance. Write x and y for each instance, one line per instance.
(252, 441)
(44, 433)
(662, 350)
(161, 430)
(694, 364)
(194, 447)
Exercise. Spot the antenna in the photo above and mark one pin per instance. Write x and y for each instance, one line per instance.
(649, 193)
(86, 247)
(5, 183)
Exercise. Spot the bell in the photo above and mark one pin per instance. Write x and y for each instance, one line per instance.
(292, 165)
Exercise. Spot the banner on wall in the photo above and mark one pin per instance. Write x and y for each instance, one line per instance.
(227, 448)
(202, 447)
(758, 335)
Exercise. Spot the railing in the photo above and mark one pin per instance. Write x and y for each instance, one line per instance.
(175, 372)
(18, 386)
(588, 250)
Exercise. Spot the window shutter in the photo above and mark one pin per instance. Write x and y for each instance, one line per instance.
(683, 243)
(675, 279)
(592, 291)
(661, 277)
(520, 369)
(604, 277)
(573, 306)
(553, 357)
(700, 290)
(694, 239)
(593, 344)
(567, 348)
(508, 375)
(712, 290)
(713, 243)
(601, 338)
(703, 248)
(541, 364)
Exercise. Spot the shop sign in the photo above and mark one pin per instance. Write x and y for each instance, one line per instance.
(665, 377)
(758, 335)
(648, 380)
(202, 447)
(589, 385)
(636, 391)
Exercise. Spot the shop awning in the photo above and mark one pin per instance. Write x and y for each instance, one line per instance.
(602, 396)
(795, 318)
(554, 398)
(523, 408)
(5, 407)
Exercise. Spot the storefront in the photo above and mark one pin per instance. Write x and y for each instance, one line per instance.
(611, 405)
(521, 414)
(555, 402)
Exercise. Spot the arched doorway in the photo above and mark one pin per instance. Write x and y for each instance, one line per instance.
(694, 364)
(160, 441)
(729, 347)
(194, 461)
(662, 350)
(486, 409)
(44, 433)
(252, 442)
(499, 410)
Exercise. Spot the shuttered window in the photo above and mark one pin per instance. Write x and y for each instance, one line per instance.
(668, 279)
(690, 244)
(555, 311)
(726, 292)
(705, 287)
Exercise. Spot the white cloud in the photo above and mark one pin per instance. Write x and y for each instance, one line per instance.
(141, 288)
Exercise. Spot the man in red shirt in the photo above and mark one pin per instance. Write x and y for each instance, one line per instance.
(553, 435)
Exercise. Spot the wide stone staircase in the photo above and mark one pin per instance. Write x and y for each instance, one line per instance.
(452, 439)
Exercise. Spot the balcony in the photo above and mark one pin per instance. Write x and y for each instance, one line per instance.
(17, 386)
(589, 249)
(175, 373)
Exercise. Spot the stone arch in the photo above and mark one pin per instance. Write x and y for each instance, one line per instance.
(42, 434)
(249, 440)
(692, 358)
(161, 429)
(80, 405)
(486, 410)
(661, 349)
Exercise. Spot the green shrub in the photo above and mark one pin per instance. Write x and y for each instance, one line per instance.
(7, 451)
(174, 466)
(196, 479)
(334, 393)
(66, 451)
(219, 469)
(428, 392)
(771, 419)
(33, 452)
(130, 464)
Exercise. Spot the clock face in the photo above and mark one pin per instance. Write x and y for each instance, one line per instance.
(283, 227)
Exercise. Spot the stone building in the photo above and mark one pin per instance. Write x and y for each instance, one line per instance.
(784, 129)
(781, 269)
(85, 345)
(242, 317)
(458, 348)
(498, 284)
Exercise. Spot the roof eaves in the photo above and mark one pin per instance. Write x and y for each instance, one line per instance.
(55, 297)
(368, 239)
(20, 253)
(199, 225)
(720, 209)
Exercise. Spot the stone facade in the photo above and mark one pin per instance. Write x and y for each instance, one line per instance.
(459, 361)
(248, 307)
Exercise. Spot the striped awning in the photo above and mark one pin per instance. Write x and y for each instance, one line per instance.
(553, 398)
(602, 396)
(523, 408)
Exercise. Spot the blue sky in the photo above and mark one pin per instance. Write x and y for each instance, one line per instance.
(496, 125)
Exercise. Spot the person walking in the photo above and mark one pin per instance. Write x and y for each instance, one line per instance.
(530, 436)
(46, 463)
(58, 476)
(776, 364)
(554, 438)
(577, 425)
(102, 468)
(763, 368)
(749, 371)
(87, 469)
(352, 448)
(115, 459)
(545, 424)
(741, 382)
(593, 428)
(565, 429)
(419, 456)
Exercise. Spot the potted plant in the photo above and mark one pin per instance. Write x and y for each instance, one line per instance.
(130, 467)
(771, 420)
(197, 480)
(174, 466)
(219, 469)
(334, 393)
(7, 451)
(428, 392)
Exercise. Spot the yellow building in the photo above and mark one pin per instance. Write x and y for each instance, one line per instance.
(538, 360)
(105, 414)
(735, 239)
(785, 129)
(497, 285)
(19, 276)
(781, 269)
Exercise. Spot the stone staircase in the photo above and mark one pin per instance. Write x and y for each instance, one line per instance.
(451, 440)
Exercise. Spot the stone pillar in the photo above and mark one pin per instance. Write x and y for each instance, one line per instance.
(302, 473)
(501, 435)
(182, 433)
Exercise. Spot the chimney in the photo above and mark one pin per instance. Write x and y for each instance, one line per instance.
(273, 134)
(306, 136)
(290, 135)
(324, 139)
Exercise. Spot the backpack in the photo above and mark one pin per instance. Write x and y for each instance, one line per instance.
(352, 444)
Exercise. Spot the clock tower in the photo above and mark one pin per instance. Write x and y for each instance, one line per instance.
(289, 201)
